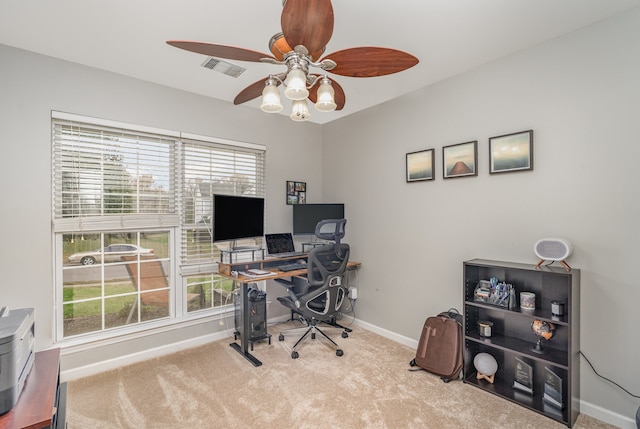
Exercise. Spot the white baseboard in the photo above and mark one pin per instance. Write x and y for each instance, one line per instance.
(109, 364)
(410, 342)
(587, 408)
(607, 416)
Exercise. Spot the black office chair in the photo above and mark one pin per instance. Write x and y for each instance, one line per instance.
(318, 298)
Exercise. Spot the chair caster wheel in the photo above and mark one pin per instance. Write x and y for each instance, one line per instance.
(313, 335)
(345, 335)
(339, 352)
(413, 362)
(280, 337)
(294, 355)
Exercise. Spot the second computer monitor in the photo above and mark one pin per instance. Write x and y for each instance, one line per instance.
(307, 216)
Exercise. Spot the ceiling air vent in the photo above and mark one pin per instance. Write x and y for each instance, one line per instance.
(223, 67)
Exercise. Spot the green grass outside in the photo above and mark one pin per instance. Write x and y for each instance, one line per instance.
(116, 304)
(94, 307)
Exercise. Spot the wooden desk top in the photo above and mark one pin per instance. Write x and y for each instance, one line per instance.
(34, 409)
(268, 265)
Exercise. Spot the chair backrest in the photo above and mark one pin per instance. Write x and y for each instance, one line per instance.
(331, 229)
(326, 267)
(150, 278)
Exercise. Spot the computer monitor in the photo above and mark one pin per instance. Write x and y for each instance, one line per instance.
(307, 216)
(236, 217)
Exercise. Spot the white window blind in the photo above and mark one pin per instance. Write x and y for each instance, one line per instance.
(109, 176)
(211, 167)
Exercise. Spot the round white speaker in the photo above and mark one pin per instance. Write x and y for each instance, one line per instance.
(553, 249)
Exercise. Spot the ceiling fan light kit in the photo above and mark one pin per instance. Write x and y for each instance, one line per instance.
(271, 97)
(326, 101)
(300, 111)
(307, 25)
(296, 85)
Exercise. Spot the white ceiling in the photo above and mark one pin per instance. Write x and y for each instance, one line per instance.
(449, 37)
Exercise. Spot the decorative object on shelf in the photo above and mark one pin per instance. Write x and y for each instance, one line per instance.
(511, 152)
(484, 328)
(553, 249)
(307, 27)
(552, 388)
(543, 330)
(495, 292)
(486, 366)
(296, 192)
(557, 308)
(527, 300)
(523, 376)
(420, 165)
(460, 160)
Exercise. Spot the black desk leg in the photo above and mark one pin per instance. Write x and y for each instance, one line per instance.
(245, 328)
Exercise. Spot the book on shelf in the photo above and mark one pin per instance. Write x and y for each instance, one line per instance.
(523, 376)
(552, 388)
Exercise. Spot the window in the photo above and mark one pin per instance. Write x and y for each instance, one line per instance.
(132, 222)
(210, 167)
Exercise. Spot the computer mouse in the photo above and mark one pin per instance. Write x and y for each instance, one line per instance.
(301, 261)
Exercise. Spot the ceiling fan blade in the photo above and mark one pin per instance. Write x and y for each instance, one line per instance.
(220, 51)
(252, 91)
(370, 61)
(308, 23)
(338, 96)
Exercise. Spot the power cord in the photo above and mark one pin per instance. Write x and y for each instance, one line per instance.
(351, 310)
(605, 378)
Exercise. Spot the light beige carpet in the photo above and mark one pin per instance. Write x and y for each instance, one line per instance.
(369, 387)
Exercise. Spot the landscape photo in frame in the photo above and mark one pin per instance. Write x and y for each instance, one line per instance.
(460, 160)
(420, 165)
(511, 152)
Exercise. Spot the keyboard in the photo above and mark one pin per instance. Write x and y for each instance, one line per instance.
(293, 266)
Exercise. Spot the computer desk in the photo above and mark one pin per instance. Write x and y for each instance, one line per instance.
(242, 281)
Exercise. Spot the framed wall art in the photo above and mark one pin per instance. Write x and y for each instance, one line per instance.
(511, 152)
(460, 160)
(296, 192)
(420, 165)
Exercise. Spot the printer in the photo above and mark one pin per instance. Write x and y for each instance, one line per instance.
(16, 353)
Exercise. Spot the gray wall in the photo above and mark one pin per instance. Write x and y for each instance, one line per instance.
(581, 96)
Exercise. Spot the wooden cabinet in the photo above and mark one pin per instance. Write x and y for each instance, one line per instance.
(512, 338)
(42, 402)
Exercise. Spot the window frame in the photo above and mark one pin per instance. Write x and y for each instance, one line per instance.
(180, 269)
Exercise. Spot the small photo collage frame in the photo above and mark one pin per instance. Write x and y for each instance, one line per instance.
(296, 192)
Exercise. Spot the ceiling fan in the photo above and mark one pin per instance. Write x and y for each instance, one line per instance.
(307, 25)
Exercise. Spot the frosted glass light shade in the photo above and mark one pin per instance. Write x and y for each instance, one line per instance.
(271, 99)
(296, 83)
(300, 111)
(325, 101)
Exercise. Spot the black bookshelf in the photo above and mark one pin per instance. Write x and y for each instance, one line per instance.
(512, 336)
